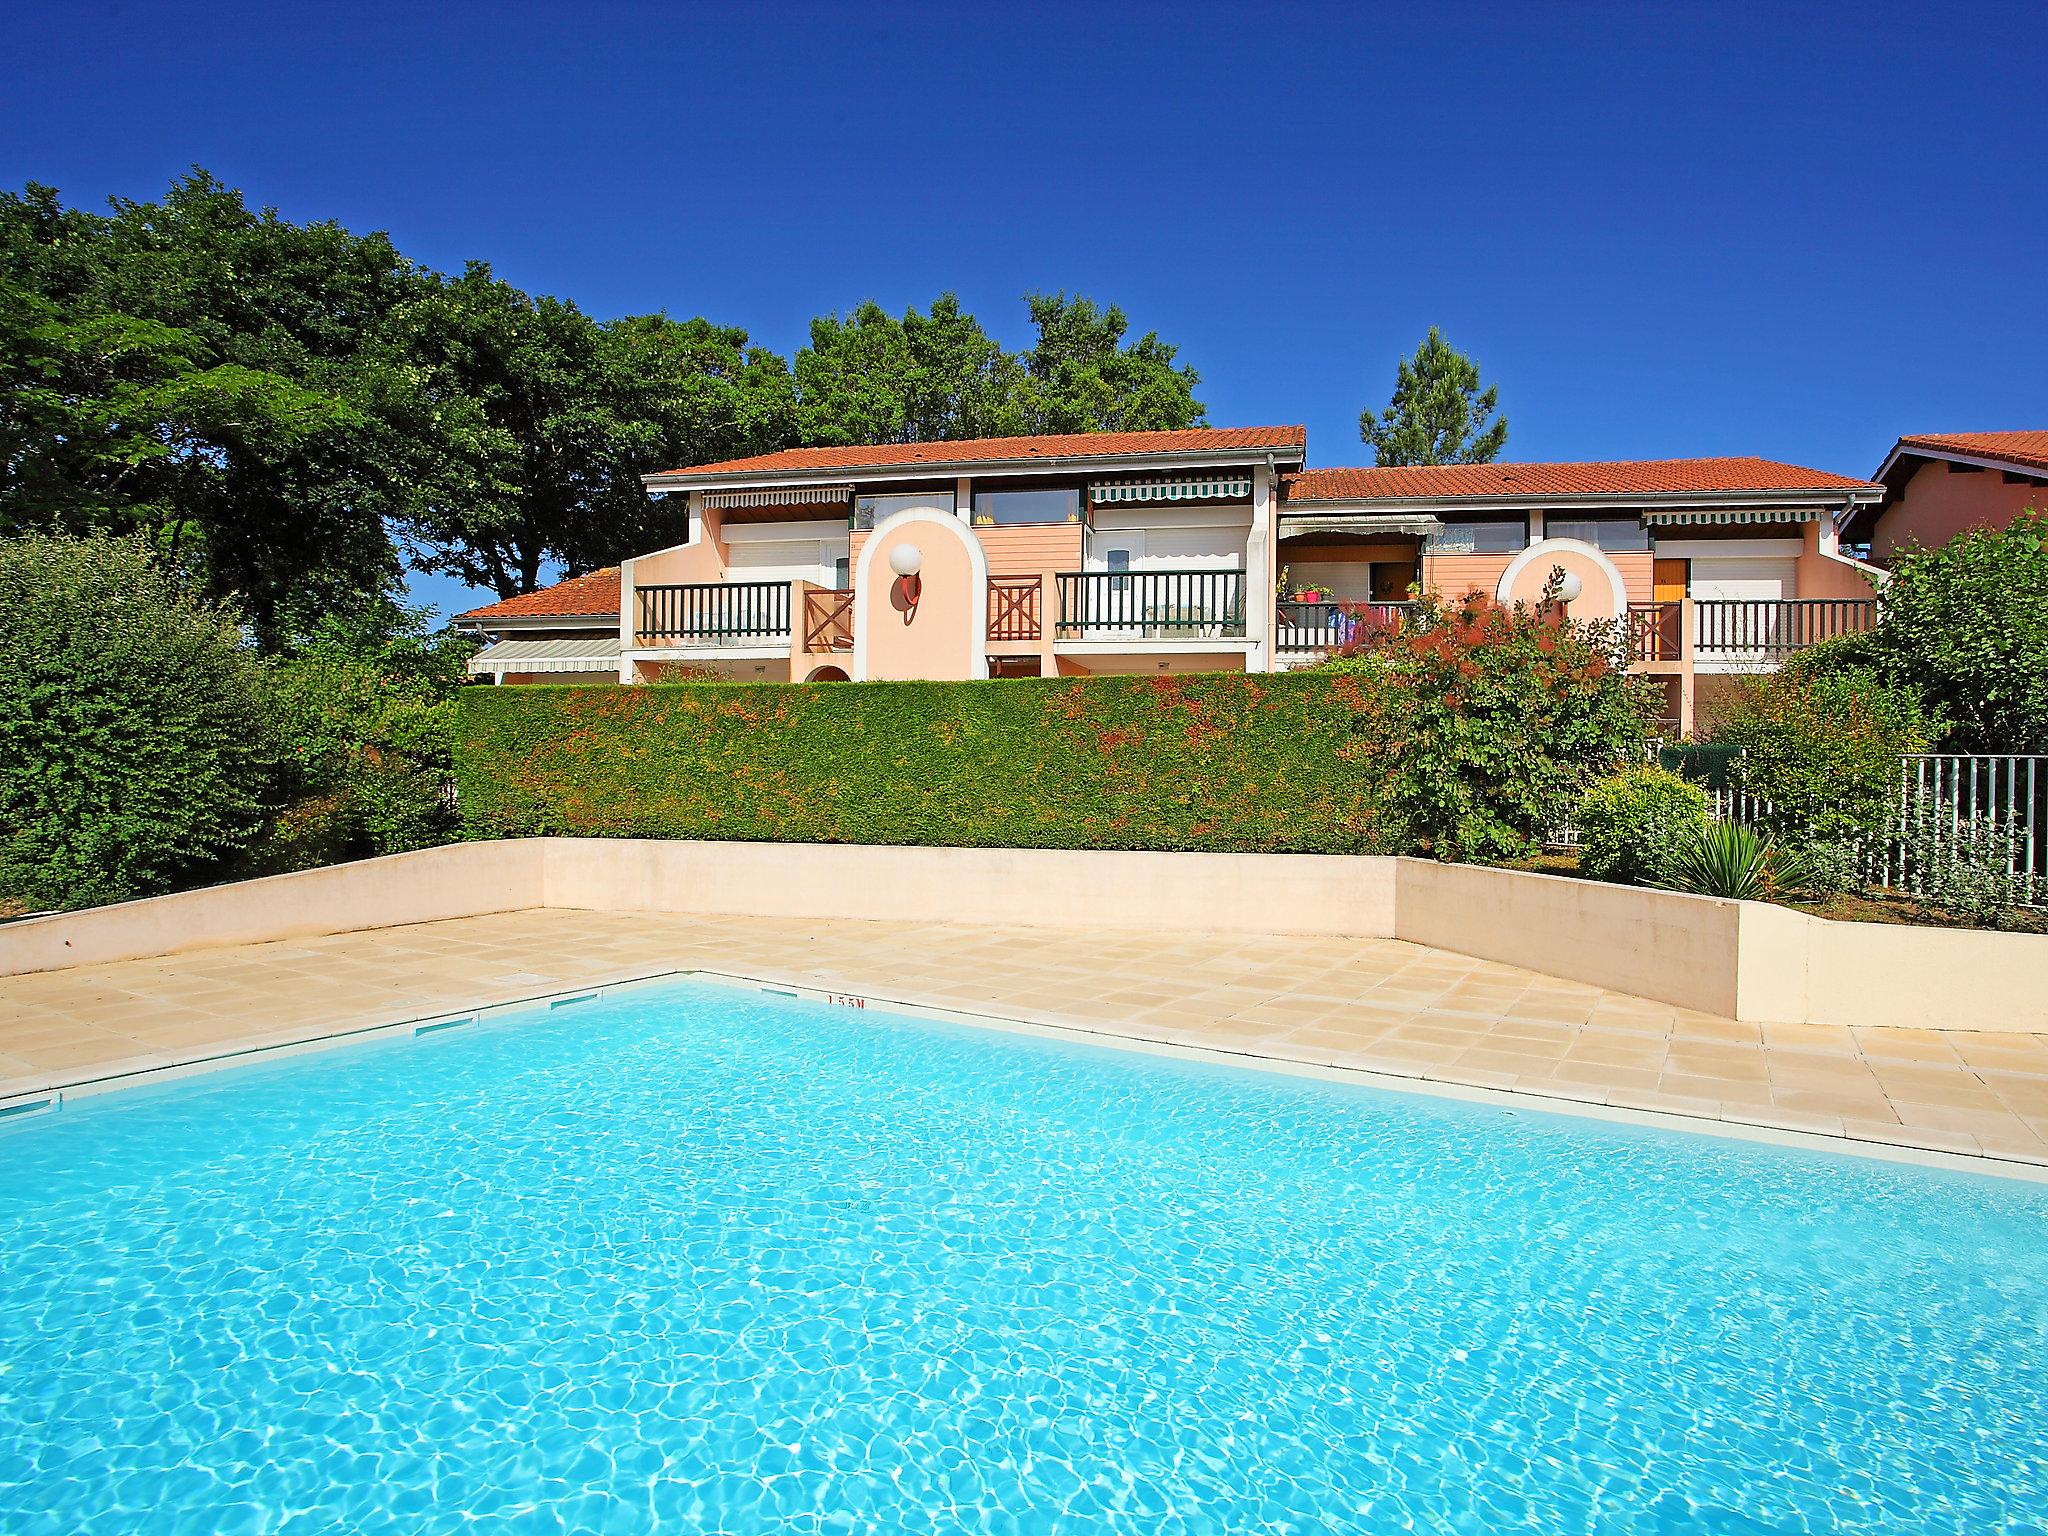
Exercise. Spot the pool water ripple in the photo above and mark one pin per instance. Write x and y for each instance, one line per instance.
(693, 1259)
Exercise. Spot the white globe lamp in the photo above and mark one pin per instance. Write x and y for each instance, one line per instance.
(906, 560)
(1568, 590)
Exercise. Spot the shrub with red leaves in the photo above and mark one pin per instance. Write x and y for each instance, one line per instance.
(1506, 715)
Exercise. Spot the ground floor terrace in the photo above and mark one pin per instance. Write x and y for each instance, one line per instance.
(1376, 1008)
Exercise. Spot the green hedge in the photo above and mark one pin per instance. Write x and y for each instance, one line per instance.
(1225, 763)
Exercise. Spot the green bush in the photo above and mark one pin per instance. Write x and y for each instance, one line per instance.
(1507, 714)
(1630, 823)
(1295, 762)
(1821, 750)
(133, 755)
(1966, 866)
(1966, 627)
(1725, 858)
(363, 712)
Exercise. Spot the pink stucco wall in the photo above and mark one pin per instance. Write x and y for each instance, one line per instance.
(933, 637)
(1819, 575)
(1941, 501)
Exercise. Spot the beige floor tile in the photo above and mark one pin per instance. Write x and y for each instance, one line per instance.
(1381, 1004)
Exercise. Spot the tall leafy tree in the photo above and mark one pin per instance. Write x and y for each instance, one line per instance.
(194, 369)
(869, 377)
(1439, 414)
(527, 425)
(1081, 376)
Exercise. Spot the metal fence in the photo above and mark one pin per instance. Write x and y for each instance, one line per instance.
(1941, 799)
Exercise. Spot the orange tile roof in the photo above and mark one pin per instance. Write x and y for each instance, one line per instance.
(1641, 477)
(593, 595)
(1065, 445)
(2026, 448)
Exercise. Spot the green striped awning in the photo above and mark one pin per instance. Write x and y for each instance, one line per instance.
(1673, 517)
(1207, 488)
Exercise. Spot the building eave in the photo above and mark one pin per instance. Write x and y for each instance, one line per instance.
(948, 469)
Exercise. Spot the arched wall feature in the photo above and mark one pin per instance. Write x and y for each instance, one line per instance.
(944, 636)
(830, 672)
(1604, 593)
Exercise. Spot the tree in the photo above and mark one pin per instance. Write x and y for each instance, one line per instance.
(526, 425)
(193, 370)
(1439, 414)
(362, 710)
(871, 378)
(133, 751)
(1080, 376)
(1966, 626)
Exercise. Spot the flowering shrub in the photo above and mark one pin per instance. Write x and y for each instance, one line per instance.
(1501, 717)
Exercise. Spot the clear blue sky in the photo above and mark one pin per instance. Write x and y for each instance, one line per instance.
(1788, 231)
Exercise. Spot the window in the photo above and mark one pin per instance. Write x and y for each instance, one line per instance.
(842, 573)
(870, 510)
(1489, 536)
(1118, 563)
(1625, 534)
(1003, 509)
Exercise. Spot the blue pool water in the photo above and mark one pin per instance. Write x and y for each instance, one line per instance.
(696, 1260)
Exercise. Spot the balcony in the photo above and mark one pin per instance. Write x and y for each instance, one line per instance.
(1151, 605)
(1306, 628)
(714, 614)
(1762, 632)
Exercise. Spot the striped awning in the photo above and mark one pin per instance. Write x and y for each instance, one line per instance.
(786, 496)
(560, 653)
(1232, 487)
(1674, 517)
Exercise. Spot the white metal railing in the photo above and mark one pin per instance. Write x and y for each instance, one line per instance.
(1942, 795)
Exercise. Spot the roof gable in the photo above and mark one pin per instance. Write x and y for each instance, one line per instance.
(2025, 451)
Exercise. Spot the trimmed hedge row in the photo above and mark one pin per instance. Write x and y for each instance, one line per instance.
(1226, 763)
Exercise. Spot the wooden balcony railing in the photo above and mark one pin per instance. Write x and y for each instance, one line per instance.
(1311, 627)
(1767, 629)
(828, 619)
(1013, 608)
(714, 613)
(1656, 631)
(1151, 605)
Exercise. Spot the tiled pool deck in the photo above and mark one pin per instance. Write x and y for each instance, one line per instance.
(1375, 1005)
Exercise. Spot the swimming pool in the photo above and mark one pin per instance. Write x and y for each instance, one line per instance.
(696, 1259)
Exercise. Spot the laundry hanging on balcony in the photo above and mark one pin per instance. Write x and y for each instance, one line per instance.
(1231, 487)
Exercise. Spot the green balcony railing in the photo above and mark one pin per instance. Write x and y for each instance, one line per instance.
(714, 613)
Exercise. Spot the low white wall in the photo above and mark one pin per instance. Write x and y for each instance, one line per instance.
(1658, 944)
(1030, 887)
(461, 880)
(1736, 958)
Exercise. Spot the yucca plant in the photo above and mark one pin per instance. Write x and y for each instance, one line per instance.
(1725, 858)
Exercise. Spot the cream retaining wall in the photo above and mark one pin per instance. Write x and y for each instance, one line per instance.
(462, 880)
(1028, 887)
(1739, 959)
